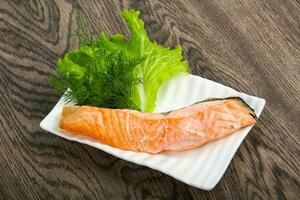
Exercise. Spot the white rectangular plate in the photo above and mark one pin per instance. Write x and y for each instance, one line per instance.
(201, 167)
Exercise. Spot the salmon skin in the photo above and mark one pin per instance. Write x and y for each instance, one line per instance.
(181, 129)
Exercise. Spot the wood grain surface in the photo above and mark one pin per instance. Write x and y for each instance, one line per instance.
(250, 45)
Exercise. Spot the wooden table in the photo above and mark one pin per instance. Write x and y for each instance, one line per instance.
(250, 45)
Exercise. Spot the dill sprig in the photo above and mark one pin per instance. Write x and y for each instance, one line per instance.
(97, 76)
(85, 38)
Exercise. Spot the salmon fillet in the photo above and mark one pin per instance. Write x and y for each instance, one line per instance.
(181, 129)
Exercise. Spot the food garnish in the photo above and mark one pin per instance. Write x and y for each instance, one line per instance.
(113, 72)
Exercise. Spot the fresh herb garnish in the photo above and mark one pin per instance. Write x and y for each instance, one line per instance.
(85, 38)
(105, 79)
(115, 73)
(95, 75)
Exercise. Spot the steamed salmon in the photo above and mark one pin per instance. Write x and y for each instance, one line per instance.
(181, 129)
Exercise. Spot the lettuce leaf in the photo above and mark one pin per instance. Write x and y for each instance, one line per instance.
(160, 63)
